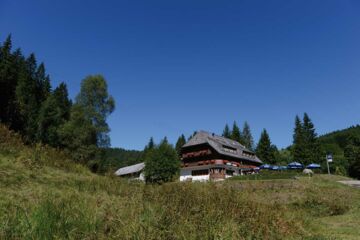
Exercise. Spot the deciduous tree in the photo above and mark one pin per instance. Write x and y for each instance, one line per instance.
(162, 163)
(98, 105)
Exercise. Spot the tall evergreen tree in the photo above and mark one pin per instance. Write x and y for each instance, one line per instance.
(247, 136)
(5, 78)
(42, 83)
(151, 143)
(226, 133)
(265, 150)
(55, 111)
(98, 105)
(26, 97)
(180, 142)
(298, 148)
(312, 147)
(306, 148)
(236, 133)
(11, 64)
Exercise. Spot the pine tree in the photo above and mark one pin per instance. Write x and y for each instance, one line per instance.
(265, 150)
(226, 133)
(191, 136)
(306, 148)
(11, 64)
(5, 79)
(151, 143)
(42, 83)
(26, 97)
(298, 149)
(247, 136)
(180, 142)
(312, 147)
(236, 133)
(55, 111)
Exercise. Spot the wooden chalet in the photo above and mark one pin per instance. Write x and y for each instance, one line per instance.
(207, 156)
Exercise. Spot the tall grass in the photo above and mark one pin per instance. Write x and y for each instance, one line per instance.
(43, 195)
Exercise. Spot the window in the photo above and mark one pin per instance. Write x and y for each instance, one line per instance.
(200, 172)
(229, 149)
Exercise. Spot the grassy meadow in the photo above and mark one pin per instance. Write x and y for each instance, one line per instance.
(44, 195)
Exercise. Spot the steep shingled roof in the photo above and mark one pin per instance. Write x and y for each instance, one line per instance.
(220, 144)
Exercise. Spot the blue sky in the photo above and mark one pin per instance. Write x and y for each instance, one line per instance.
(179, 66)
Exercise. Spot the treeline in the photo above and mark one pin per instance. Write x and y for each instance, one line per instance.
(42, 114)
(307, 146)
(115, 158)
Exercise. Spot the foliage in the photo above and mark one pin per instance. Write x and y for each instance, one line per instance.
(55, 111)
(269, 175)
(97, 105)
(116, 158)
(306, 148)
(247, 136)
(180, 142)
(78, 136)
(283, 157)
(265, 150)
(29, 106)
(236, 133)
(162, 163)
(342, 144)
(226, 133)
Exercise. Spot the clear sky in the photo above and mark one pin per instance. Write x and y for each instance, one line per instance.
(179, 66)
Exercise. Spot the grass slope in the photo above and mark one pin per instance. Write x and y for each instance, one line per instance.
(43, 195)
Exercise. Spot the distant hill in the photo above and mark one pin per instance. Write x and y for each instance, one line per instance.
(336, 141)
(118, 157)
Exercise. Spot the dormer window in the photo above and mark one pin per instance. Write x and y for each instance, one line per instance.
(229, 149)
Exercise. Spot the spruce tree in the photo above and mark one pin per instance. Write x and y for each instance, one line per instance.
(306, 148)
(151, 143)
(180, 142)
(26, 97)
(42, 83)
(312, 147)
(55, 111)
(226, 133)
(265, 150)
(247, 136)
(298, 148)
(11, 64)
(5, 79)
(236, 133)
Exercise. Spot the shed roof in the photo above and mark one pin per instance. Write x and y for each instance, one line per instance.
(219, 143)
(130, 169)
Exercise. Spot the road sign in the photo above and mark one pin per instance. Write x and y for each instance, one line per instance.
(329, 158)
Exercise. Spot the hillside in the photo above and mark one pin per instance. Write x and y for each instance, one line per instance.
(44, 195)
(336, 141)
